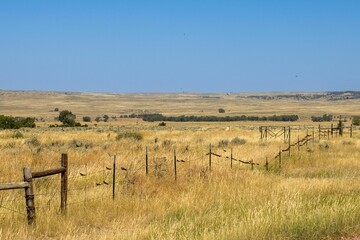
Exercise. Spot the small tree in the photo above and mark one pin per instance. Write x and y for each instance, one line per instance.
(221, 110)
(106, 118)
(56, 109)
(87, 119)
(67, 118)
(98, 119)
(356, 120)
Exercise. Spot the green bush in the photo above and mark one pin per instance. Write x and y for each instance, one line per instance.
(9, 122)
(67, 118)
(162, 124)
(87, 119)
(356, 120)
(221, 110)
(17, 135)
(223, 143)
(128, 135)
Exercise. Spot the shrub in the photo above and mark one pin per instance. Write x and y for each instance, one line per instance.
(221, 110)
(356, 121)
(67, 118)
(56, 109)
(98, 119)
(8, 122)
(162, 124)
(134, 135)
(87, 119)
(17, 135)
(238, 141)
(323, 118)
(106, 118)
(33, 142)
(223, 143)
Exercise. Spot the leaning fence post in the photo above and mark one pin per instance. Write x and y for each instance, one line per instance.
(147, 161)
(210, 153)
(29, 196)
(64, 183)
(175, 173)
(114, 178)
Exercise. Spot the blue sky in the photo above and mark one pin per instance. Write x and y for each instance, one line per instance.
(175, 46)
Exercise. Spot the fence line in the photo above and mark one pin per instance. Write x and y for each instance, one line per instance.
(109, 174)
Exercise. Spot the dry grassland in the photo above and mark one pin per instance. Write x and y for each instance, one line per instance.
(315, 195)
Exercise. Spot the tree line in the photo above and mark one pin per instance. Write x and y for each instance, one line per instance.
(159, 117)
(9, 122)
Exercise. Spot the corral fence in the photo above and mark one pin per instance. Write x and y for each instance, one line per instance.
(321, 132)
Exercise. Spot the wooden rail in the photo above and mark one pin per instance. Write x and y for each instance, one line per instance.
(17, 185)
(48, 172)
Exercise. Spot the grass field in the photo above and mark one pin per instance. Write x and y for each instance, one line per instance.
(315, 194)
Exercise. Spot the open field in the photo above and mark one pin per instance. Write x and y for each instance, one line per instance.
(315, 194)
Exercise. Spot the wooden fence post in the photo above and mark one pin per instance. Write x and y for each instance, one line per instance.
(29, 196)
(313, 134)
(289, 142)
(147, 162)
(332, 130)
(210, 153)
(351, 130)
(298, 142)
(64, 183)
(319, 132)
(267, 164)
(266, 132)
(284, 130)
(175, 172)
(280, 158)
(114, 178)
(231, 158)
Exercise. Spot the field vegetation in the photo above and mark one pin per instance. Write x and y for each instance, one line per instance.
(314, 195)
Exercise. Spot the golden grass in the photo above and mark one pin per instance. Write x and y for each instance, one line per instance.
(316, 194)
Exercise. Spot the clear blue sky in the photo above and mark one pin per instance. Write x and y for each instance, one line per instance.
(180, 45)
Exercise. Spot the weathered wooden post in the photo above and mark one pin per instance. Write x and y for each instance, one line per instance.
(147, 161)
(64, 183)
(284, 130)
(307, 135)
(266, 132)
(261, 133)
(175, 173)
(267, 164)
(328, 134)
(313, 134)
(298, 142)
(332, 130)
(29, 196)
(210, 153)
(341, 127)
(289, 141)
(351, 130)
(280, 158)
(114, 178)
(319, 132)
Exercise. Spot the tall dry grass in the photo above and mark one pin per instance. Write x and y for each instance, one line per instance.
(316, 194)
